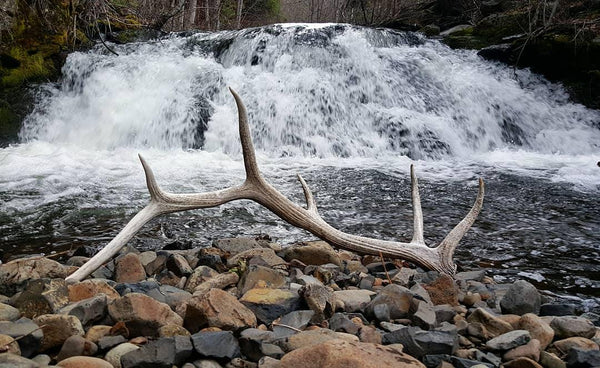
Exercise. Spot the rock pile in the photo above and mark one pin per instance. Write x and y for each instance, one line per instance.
(248, 303)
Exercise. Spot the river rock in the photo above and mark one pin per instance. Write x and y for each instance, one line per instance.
(10, 360)
(95, 333)
(442, 290)
(563, 346)
(236, 245)
(424, 316)
(260, 276)
(89, 310)
(115, 354)
(444, 313)
(570, 326)
(170, 295)
(9, 313)
(354, 300)
(340, 323)
(129, 268)
(164, 352)
(343, 354)
(218, 344)
(520, 298)
(312, 253)
(29, 335)
(14, 274)
(319, 299)
(538, 329)
(217, 308)
(509, 340)
(583, 358)
(270, 304)
(172, 330)
(177, 264)
(312, 337)
(200, 275)
(90, 288)
(404, 276)
(11, 345)
(57, 328)
(521, 363)
(550, 360)
(76, 346)
(267, 257)
(44, 296)
(396, 298)
(142, 315)
(530, 350)
(493, 325)
(296, 319)
(84, 362)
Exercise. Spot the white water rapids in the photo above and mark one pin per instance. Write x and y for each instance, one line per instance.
(350, 108)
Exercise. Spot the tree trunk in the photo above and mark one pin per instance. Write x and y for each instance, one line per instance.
(238, 15)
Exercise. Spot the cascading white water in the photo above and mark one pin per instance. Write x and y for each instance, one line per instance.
(349, 107)
(331, 91)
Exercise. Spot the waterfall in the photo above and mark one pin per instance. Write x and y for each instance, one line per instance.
(320, 91)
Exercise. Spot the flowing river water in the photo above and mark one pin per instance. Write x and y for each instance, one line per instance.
(350, 108)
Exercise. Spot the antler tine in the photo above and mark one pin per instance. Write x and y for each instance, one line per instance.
(252, 171)
(448, 245)
(311, 205)
(417, 212)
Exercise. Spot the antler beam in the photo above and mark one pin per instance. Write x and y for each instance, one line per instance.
(257, 189)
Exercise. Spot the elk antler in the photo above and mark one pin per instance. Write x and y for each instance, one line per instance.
(257, 189)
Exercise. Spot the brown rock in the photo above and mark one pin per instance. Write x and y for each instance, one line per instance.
(267, 256)
(255, 274)
(511, 319)
(76, 346)
(129, 268)
(344, 354)
(471, 298)
(97, 332)
(9, 345)
(89, 288)
(369, 334)
(14, 274)
(395, 297)
(219, 309)
(562, 347)
(313, 337)
(142, 314)
(549, 360)
(522, 363)
(538, 329)
(443, 290)
(57, 328)
(172, 330)
(42, 296)
(84, 362)
(571, 326)
(319, 299)
(494, 325)
(220, 281)
(530, 350)
(312, 253)
(200, 275)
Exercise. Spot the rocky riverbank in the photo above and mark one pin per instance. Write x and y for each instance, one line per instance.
(245, 302)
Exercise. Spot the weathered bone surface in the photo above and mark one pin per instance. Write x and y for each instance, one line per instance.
(257, 189)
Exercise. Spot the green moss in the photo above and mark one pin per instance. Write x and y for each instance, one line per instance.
(465, 42)
(33, 67)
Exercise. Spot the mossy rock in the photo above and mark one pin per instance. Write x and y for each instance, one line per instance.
(466, 42)
(31, 67)
(495, 27)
